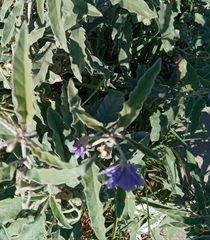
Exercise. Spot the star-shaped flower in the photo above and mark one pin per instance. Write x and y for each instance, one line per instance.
(80, 148)
(125, 177)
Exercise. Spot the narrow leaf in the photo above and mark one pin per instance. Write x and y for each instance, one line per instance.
(132, 107)
(61, 134)
(198, 105)
(41, 63)
(120, 202)
(95, 207)
(75, 103)
(5, 6)
(77, 52)
(40, 8)
(173, 175)
(47, 157)
(9, 25)
(89, 121)
(166, 20)
(54, 14)
(140, 7)
(197, 180)
(21, 78)
(57, 212)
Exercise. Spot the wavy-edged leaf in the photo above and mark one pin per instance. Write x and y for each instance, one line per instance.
(140, 7)
(172, 172)
(57, 176)
(109, 108)
(95, 207)
(54, 14)
(5, 6)
(41, 63)
(22, 94)
(125, 41)
(198, 105)
(84, 8)
(89, 121)
(47, 157)
(8, 128)
(10, 208)
(77, 52)
(36, 34)
(61, 133)
(197, 180)
(33, 230)
(40, 8)
(58, 214)
(133, 105)
(166, 20)
(9, 25)
(69, 18)
(6, 172)
(75, 103)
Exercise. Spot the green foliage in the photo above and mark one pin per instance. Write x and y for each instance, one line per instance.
(85, 85)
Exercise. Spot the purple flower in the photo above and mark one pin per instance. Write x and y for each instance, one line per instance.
(125, 177)
(80, 148)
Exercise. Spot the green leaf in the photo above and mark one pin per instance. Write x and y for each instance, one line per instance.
(68, 17)
(6, 172)
(197, 180)
(125, 41)
(145, 150)
(22, 93)
(41, 62)
(10, 208)
(75, 103)
(61, 134)
(33, 230)
(166, 20)
(109, 108)
(120, 202)
(3, 234)
(5, 6)
(36, 34)
(129, 209)
(172, 173)
(40, 8)
(204, 82)
(54, 14)
(58, 214)
(55, 176)
(77, 52)
(133, 105)
(198, 106)
(192, 77)
(95, 207)
(9, 25)
(46, 157)
(89, 121)
(84, 8)
(140, 7)
(65, 108)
